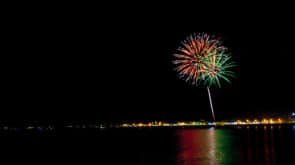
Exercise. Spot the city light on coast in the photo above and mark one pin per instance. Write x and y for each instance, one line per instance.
(263, 121)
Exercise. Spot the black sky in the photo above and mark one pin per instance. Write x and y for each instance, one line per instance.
(116, 65)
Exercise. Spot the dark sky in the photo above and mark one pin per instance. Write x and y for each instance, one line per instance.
(116, 65)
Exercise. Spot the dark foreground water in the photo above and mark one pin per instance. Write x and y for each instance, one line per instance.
(246, 145)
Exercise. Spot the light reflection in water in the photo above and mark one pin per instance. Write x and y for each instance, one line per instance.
(205, 146)
(261, 145)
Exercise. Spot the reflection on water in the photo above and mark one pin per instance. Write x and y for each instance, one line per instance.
(251, 145)
(205, 146)
(222, 145)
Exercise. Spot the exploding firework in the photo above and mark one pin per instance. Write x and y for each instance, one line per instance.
(202, 59)
(217, 67)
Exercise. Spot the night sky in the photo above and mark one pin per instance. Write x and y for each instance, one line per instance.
(116, 66)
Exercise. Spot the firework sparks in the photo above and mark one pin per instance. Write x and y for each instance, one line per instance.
(202, 58)
(217, 67)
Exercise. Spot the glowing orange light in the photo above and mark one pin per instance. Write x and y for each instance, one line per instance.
(271, 121)
(181, 123)
(265, 121)
(280, 120)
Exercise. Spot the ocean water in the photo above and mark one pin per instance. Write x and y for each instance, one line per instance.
(150, 146)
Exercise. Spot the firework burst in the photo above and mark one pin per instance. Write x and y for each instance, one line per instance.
(192, 55)
(217, 67)
(202, 59)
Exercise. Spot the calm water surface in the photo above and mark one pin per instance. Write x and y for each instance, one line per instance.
(260, 145)
(246, 145)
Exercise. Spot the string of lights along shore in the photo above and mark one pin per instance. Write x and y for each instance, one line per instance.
(201, 59)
